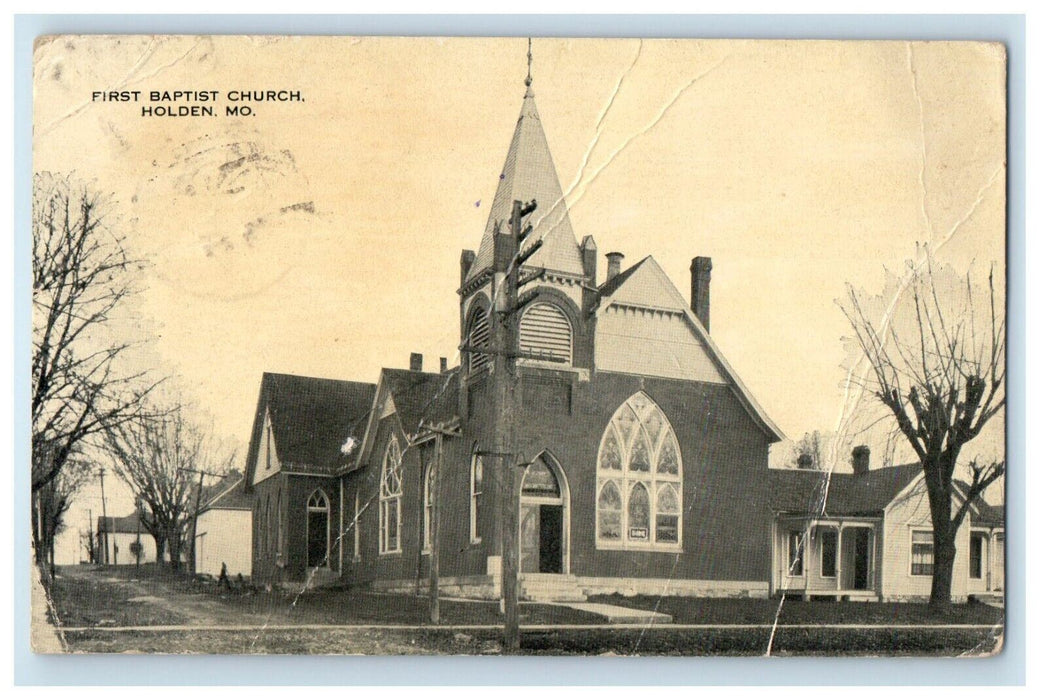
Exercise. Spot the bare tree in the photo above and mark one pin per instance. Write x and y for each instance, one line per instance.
(935, 348)
(81, 275)
(50, 504)
(156, 455)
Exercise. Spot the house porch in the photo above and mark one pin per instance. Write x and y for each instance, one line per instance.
(826, 557)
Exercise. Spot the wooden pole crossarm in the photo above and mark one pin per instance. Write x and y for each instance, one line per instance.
(524, 255)
(521, 303)
(532, 276)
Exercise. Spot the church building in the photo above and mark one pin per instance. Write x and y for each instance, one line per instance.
(646, 451)
(644, 456)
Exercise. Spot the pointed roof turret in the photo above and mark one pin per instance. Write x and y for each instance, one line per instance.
(529, 173)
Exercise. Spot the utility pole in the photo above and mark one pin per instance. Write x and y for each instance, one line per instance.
(196, 514)
(508, 260)
(138, 532)
(105, 518)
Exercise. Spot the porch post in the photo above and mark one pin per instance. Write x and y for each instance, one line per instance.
(839, 546)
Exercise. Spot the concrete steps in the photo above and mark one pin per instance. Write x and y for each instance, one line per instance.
(551, 588)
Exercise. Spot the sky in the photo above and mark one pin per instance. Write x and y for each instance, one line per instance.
(322, 236)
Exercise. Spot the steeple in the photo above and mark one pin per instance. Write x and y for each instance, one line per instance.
(529, 174)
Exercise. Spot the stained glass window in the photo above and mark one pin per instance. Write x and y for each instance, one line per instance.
(639, 434)
(389, 499)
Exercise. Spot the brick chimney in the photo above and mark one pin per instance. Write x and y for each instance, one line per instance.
(443, 365)
(416, 362)
(860, 459)
(701, 273)
(614, 264)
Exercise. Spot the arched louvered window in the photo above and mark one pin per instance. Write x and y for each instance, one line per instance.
(389, 496)
(639, 479)
(545, 330)
(479, 336)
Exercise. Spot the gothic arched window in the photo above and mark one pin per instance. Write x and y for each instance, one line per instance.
(318, 529)
(476, 489)
(478, 335)
(638, 479)
(427, 506)
(546, 331)
(390, 493)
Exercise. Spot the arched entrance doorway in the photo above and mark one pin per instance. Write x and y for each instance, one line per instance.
(318, 533)
(544, 518)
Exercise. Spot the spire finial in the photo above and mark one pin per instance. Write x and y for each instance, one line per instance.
(527, 81)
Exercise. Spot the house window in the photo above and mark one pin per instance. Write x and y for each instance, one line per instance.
(639, 479)
(796, 547)
(479, 336)
(976, 556)
(545, 331)
(318, 529)
(829, 553)
(390, 493)
(476, 477)
(922, 553)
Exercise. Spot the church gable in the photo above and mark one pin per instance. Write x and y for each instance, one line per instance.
(642, 328)
(266, 462)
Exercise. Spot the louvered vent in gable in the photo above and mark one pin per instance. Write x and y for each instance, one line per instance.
(545, 331)
(479, 337)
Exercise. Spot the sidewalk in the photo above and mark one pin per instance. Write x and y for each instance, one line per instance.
(43, 637)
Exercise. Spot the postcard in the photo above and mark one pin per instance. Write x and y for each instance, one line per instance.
(380, 345)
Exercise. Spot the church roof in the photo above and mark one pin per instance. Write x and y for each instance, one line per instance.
(422, 397)
(311, 418)
(529, 173)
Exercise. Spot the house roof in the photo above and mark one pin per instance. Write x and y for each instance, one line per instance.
(800, 491)
(982, 513)
(127, 523)
(529, 173)
(311, 418)
(232, 498)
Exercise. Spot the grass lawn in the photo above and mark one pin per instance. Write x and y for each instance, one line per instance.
(757, 611)
(109, 597)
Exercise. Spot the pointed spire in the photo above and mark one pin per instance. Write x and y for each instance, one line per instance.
(527, 80)
(529, 173)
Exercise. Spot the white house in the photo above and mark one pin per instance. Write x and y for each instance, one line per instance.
(224, 533)
(867, 535)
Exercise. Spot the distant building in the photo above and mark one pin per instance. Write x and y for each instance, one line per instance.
(223, 533)
(118, 539)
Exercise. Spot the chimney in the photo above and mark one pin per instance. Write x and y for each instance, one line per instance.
(860, 459)
(468, 257)
(416, 362)
(614, 264)
(443, 365)
(701, 273)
